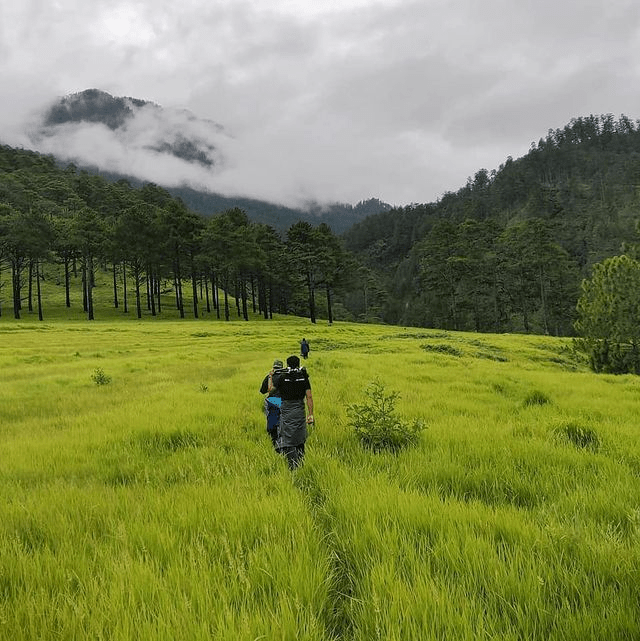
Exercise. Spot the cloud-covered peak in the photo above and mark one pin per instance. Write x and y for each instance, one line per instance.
(132, 137)
(93, 105)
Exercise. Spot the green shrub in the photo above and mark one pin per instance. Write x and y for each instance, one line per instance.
(536, 397)
(610, 357)
(442, 348)
(376, 425)
(578, 435)
(100, 378)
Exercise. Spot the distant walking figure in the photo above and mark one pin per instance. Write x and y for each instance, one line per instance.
(304, 348)
(295, 389)
(272, 402)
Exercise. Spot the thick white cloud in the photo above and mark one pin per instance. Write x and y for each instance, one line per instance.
(333, 100)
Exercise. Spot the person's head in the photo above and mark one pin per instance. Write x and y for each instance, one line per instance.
(293, 361)
(277, 364)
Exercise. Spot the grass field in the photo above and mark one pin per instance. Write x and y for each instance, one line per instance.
(153, 506)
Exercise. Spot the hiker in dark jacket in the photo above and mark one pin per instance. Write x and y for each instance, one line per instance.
(272, 403)
(304, 348)
(294, 387)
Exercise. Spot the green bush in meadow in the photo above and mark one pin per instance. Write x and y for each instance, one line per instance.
(376, 424)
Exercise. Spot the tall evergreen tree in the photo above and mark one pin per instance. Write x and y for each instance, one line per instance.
(609, 315)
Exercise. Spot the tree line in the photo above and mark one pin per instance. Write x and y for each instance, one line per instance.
(152, 244)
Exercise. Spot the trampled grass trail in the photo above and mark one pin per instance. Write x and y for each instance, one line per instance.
(153, 506)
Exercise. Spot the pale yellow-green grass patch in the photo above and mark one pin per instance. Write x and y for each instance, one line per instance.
(153, 506)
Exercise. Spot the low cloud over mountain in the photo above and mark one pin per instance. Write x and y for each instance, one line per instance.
(132, 137)
(192, 158)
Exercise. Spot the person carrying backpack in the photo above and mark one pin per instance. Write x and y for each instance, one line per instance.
(294, 387)
(304, 348)
(272, 403)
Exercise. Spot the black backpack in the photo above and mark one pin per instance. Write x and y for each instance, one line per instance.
(291, 383)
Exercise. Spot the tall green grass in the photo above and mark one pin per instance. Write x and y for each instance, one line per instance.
(153, 506)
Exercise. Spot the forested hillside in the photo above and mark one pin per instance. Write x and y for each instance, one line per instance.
(339, 216)
(507, 251)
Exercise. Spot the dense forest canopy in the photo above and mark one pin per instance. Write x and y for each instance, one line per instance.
(506, 252)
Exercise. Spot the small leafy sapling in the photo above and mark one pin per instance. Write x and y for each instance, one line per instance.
(100, 378)
(376, 424)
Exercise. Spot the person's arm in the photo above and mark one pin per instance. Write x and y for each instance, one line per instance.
(309, 399)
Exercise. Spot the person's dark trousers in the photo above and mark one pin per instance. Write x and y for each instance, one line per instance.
(273, 421)
(294, 455)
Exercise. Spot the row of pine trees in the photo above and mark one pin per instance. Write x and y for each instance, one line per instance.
(152, 243)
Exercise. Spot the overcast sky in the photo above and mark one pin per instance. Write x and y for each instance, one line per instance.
(330, 99)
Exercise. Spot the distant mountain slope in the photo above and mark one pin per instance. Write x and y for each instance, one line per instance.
(340, 217)
(140, 141)
(584, 179)
(581, 182)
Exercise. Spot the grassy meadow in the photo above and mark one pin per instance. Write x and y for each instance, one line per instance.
(152, 506)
